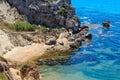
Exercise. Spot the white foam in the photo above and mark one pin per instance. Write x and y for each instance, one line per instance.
(84, 17)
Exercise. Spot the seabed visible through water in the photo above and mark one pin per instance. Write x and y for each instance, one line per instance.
(100, 60)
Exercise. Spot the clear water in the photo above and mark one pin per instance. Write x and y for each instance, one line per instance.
(100, 60)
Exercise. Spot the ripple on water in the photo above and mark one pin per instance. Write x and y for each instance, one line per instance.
(102, 71)
(101, 61)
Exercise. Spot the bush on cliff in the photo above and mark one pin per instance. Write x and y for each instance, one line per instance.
(24, 26)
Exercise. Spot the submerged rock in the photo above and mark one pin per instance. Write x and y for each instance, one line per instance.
(52, 61)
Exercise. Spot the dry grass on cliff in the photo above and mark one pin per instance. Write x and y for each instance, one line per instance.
(17, 26)
(5, 25)
(20, 26)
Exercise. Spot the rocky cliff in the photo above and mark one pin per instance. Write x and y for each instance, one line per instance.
(51, 13)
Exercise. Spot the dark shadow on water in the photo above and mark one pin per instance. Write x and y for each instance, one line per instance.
(91, 59)
(80, 58)
(117, 62)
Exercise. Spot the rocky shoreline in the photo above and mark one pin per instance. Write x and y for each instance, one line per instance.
(49, 45)
(49, 51)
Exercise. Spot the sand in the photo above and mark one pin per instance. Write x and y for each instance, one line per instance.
(23, 54)
(34, 51)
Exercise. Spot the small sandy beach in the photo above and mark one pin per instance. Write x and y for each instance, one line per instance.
(23, 54)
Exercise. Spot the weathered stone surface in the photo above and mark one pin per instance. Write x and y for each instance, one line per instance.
(76, 44)
(15, 71)
(8, 13)
(51, 41)
(51, 13)
(5, 44)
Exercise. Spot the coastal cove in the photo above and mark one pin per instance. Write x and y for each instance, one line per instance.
(39, 32)
(59, 40)
(101, 58)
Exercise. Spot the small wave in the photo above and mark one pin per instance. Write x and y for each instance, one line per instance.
(116, 43)
(117, 22)
(86, 22)
(84, 17)
(117, 62)
(80, 58)
(102, 74)
(116, 32)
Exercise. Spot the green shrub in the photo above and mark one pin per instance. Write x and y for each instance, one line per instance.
(2, 76)
(24, 26)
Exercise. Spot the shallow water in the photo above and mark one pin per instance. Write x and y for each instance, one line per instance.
(99, 60)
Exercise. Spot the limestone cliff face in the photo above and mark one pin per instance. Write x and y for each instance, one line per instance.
(51, 13)
(5, 44)
(8, 13)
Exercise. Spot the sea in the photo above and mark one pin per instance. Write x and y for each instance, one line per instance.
(100, 59)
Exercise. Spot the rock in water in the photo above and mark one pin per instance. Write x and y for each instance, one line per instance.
(106, 24)
(88, 36)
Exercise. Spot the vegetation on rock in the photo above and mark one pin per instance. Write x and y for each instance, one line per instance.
(2, 76)
(24, 26)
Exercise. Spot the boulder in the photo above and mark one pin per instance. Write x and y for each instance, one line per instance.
(79, 39)
(88, 36)
(106, 24)
(51, 41)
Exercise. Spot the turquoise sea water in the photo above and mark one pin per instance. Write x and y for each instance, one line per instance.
(100, 60)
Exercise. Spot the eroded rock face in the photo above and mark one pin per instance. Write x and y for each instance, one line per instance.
(8, 13)
(30, 72)
(5, 44)
(51, 13)
(12, 71)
